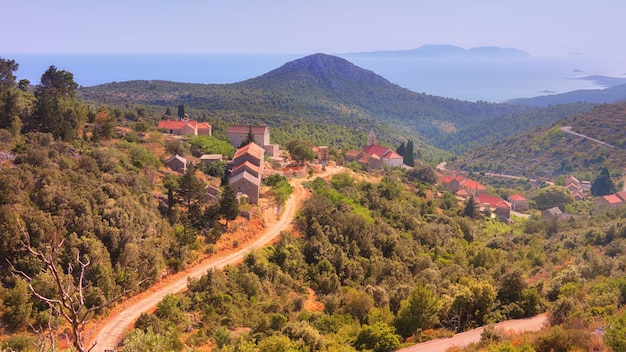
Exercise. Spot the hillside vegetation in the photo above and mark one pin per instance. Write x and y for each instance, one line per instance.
(548, 152)
(373, 263)
(318, 92)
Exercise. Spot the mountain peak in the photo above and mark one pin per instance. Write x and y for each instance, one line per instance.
(323, 69)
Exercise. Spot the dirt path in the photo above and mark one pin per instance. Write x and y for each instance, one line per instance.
(122, 318)
(465, 338)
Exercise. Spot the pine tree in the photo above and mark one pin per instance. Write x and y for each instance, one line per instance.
(470, 208)
(249, 138)
(190, 192)
(229, 205)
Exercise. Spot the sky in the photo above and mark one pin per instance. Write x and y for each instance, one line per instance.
(539, 27)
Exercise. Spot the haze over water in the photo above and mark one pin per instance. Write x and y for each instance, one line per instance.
(474, 78)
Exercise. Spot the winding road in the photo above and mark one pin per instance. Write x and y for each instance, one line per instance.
(465, 338)
(110, 333)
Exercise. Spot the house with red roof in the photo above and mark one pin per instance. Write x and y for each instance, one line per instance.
(247, 173)
(501, 207)
(375, 156)
(616, 200)
(185, 127)
(251, 152)
(518, 202)
(247, 167)
(451, 184)
(472, 187)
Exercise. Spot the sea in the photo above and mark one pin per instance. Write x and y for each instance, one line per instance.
(491, 79)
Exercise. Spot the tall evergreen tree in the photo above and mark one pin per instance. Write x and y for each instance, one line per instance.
(470, 208)
(181, 111)
(229, 205)
(190, 192)
(408, 155)
(249, 138)
(603, 184)
(401, 149)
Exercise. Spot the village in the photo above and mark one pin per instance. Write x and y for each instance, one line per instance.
(247, 169)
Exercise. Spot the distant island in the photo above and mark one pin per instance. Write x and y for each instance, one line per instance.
(605, 81)
(445, 50)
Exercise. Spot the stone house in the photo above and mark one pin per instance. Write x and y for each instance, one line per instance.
(451, 184)
(185, 127)
(553, 214)
(239, 133)
(472, 187)
(614, 201)
(247, 172)
(207, 159)
(177, 163)
(519, 202)
(249, 168)
(248, 184)
(251, 153)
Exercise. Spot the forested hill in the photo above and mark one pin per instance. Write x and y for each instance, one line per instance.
(609, 95)
(548, 152)
(312, 90)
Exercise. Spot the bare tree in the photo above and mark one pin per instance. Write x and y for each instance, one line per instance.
(70, 303)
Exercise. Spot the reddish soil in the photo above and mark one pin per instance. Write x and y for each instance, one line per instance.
(254, 234)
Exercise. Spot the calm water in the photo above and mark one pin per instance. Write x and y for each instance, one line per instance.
(473, 79)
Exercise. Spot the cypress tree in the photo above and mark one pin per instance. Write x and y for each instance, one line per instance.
(408, 155)
(401, 149)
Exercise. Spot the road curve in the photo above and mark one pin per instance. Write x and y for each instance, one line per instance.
(110, 334)
(568, 129)
(465, 338)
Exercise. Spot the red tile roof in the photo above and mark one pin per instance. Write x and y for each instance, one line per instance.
(352, 152)
(447, 179)
(365, 158)
(621, 195)
(252, 149)
(247, 165)
(517, 197)
(178, 124)
(375, 150)
(392, 155)
(471, 184)
(612, 199)
(488, 199)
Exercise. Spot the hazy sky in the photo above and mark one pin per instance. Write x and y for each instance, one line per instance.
(540, 27)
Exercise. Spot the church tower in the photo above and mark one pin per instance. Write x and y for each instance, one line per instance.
(371, 138)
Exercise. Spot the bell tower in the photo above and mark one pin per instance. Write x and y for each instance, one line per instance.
(371, 138)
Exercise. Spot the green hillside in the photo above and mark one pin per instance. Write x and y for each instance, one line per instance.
(315, 91)
(548, 152)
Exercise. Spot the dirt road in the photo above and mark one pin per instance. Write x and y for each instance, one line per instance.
(465, 338)
(109, 335)
(568, 129)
